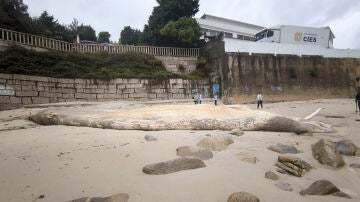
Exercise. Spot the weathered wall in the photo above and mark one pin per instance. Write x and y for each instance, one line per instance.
(281, 77)
(16, 90)
(181, 65)
(287, 77)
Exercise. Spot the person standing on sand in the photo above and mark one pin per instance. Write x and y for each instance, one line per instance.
(357, 101)
(200, 98)
(215, 99)
(259, 100)
(196, 98)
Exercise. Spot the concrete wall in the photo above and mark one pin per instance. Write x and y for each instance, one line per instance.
(281, 77)
(17, 90)
(287, 77)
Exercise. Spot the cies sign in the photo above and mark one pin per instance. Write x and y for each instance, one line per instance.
(306, 38)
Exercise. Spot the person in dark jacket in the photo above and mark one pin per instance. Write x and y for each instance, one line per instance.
(357, 100)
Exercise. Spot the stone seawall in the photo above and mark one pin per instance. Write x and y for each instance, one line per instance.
(17, 90)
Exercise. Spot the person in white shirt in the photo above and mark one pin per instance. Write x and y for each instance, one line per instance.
(259, 100)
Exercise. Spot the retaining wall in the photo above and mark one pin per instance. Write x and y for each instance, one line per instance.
(17, 90)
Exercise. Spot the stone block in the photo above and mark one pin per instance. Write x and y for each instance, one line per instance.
(79, 90)
(133, 85)
(161, 95)
(6, 76)
(112, 96)
(42, 88)
(26, 100)
(159, 90)
(55, 90)
(20, 77)
(110, 91)
(6, 90)
(138, 95)
(68, 95)
(53, 99)
(67, 85)
(66, 81)
(128, 90)
(33, 87)
(94, 91)
(144, 81)
(178, 96)
(26, 93)
(4, 99)
(53, 80)
(80, 95)
(28, 83)
(49, 94)
(73, 100)
(40, 100)
(118, 81)
(80, 81)
(133, 81)
(2, 81)
(99, 96)
(91, 86)
(120, 86)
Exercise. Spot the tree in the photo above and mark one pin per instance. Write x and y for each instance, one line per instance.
(14, 15)
(183, 33)
(168, 10)
(86, 32)
(129, 36)
(104, 37)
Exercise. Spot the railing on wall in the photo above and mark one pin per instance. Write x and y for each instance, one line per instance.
(53, 44)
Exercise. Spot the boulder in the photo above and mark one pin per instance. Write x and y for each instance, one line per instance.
(197, 152)
(323, 187)
(355, 165)
(324, 151)
(292, 165)
(150, 138)
(237, 132)
(215, 143)
(242, 197)
(347, 147)
(283, 149)
(320, 187)
(172, 166)
(284, 186)
(123, 197)
(271, 175)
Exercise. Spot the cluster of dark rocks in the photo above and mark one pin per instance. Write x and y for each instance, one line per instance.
(192, 157)
(327, 152)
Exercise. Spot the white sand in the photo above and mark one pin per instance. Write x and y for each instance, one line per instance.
(65, 163)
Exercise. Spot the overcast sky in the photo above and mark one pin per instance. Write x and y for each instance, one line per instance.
(342, 16)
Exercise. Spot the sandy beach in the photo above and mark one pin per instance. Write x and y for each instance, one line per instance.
(63, 163)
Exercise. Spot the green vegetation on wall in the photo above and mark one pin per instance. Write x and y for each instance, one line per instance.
(104, 66)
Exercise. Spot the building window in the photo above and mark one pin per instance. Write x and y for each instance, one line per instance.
(228, 35)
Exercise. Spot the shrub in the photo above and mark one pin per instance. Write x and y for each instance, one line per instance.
(103, 66)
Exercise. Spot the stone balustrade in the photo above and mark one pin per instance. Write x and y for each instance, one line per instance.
(53, 44)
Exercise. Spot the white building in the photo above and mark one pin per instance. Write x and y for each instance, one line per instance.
(212, 26)
(289, 34)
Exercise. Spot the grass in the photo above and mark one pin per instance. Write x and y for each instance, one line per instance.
(102, 66)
